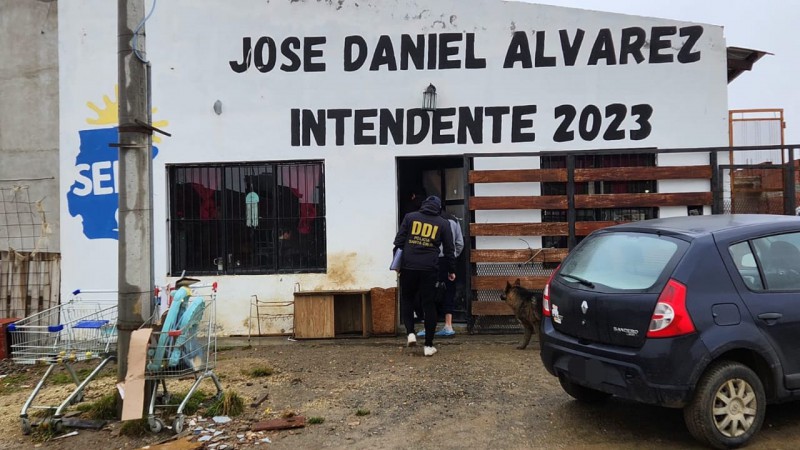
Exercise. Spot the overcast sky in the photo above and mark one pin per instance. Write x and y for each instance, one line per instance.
(768, 25)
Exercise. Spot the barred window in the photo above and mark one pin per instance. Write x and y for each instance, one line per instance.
(598, 187)
(248, 218)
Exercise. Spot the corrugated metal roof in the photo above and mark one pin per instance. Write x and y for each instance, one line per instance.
(742, 59)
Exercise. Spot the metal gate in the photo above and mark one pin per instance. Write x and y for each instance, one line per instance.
(756, 189)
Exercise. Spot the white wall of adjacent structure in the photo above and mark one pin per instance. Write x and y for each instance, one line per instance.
(191, 43)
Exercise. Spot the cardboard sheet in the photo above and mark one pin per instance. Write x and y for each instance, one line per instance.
(133, 388)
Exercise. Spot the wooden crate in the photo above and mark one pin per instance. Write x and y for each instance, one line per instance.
(384, 311)
(313, 316)
(329, 314)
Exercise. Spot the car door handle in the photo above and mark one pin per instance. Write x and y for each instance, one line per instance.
(770, 316)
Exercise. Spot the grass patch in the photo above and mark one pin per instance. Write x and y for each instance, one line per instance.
(63, 377)
(362, 412)
(103, 409)
(43, 413)
(231, 405)
(135, 428)
(194, 403)
(12, 383)
(315, 420)
(259, 371)
(44, 432)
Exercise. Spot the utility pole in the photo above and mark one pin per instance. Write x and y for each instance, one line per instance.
(135, 220)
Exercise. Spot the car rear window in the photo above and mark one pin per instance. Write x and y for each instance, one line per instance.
(624, 261)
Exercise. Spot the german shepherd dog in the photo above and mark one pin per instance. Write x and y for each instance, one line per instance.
(527, 308)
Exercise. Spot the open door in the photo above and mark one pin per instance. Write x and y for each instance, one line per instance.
(443, 176)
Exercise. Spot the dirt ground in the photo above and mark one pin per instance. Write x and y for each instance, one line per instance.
(477, 392)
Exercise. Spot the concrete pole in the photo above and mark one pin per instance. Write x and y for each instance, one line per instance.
(135, 181)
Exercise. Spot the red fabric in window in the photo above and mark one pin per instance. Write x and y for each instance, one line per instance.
(208, 208)
(308, 211)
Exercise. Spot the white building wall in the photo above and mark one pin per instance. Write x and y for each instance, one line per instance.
(191, 42)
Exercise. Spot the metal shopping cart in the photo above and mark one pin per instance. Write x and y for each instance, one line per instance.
(82, 329)
(185, 346)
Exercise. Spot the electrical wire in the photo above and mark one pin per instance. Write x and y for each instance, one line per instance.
(136, 33)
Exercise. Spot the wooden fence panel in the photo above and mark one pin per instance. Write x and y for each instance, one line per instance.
(498, 283)
(518, 176)
(531, 202)
(29, 282)
(493, 268)
(538, 255)
(5, 282)
(19, 285)
(593, 174)
(35, 279)
(54, 286)
(491, 309)
(519, 229)
(642, 173)
(642, 200)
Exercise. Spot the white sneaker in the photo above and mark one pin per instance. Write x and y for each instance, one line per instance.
(412, 340)
(429, 351)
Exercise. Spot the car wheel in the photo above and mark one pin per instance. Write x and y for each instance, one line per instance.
(728, 406)
(582, 393)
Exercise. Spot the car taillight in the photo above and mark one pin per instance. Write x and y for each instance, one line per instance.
(546, 294)
(670, 317)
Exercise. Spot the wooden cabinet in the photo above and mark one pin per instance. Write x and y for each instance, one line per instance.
(330, 314)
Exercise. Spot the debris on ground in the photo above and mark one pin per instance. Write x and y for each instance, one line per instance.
(179, 444)
(70, 434)
(224, 433)
(258, 401)
(280, 424)
(88, 424)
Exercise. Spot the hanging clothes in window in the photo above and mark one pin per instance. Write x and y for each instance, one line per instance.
(251, 209)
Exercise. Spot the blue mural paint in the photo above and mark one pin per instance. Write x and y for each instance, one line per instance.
(94, 195)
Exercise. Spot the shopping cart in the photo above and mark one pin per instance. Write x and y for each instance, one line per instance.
(185, 346)
(82, 329)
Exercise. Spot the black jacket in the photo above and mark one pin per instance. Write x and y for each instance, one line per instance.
(420, 235)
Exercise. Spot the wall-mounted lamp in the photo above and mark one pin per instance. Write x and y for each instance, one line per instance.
(429, 98)
(218, 107)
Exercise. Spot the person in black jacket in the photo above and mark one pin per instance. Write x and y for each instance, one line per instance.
(420, 235)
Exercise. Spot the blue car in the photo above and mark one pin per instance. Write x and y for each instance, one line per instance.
(700, 313)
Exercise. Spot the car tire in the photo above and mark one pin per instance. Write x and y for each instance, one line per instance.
(728, 406)
(582, 393)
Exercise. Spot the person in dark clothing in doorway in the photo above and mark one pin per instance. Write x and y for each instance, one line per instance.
(411, 201)
(420, 235)
(449, 294)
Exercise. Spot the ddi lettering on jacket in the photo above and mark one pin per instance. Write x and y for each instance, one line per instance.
(423, 234)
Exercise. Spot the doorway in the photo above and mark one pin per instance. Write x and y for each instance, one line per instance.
(443, 176)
